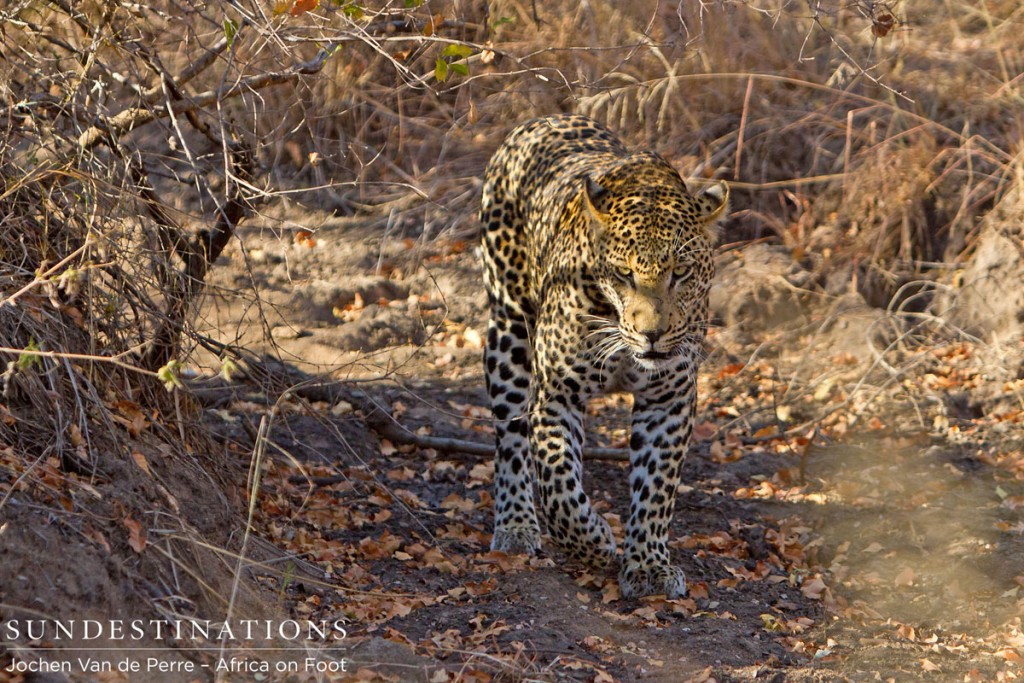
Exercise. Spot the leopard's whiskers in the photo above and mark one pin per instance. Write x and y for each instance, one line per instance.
(602, 345)
(603, 348)
(607, 348)
(607, 329)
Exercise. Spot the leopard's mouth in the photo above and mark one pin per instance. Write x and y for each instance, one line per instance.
(652, 355)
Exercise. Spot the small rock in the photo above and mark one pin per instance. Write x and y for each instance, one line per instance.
(341, 408)
(286, 332)
(760, 290)
(986, 298)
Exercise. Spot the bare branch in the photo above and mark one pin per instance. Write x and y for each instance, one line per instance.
(134, 117)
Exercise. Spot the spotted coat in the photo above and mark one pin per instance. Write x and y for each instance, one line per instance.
(598, 265)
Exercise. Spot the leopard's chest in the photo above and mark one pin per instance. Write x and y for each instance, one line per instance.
(599, 368)
(621, 376)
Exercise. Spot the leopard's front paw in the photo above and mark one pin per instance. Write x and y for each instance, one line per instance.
(516, 538)
(637, 580)
(594, 545)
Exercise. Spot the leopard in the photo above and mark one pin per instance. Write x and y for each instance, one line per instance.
(598, 264)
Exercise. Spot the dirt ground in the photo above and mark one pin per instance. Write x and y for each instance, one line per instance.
(851, 506)
(850, 511)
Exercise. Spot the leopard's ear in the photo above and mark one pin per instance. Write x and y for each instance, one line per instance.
(593, 197)
(713, 206)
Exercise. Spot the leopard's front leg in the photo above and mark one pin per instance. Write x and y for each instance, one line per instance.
(556, 431)
(662, 421)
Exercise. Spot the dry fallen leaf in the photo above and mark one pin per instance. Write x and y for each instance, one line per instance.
(813, 588)
(436, 22)
(611, 592)
(302, 6)
(131, 416)
(97, 536)
(703, 431)
(905, 577)
(882, 24)
(705, 676)
(141, 461)
(136, 534)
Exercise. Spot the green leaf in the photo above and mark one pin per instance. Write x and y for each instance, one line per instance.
(461, 69)
(230, 30)
(27, 359)
(502, 21)
(168, 374)
(441, 70)
(413, 3)
(353, 11)
(460, 51)
(289, 576)
(228, 368)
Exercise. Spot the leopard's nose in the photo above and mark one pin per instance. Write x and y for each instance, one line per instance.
(653, 335)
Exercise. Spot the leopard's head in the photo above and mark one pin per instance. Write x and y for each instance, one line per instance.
(651, 244)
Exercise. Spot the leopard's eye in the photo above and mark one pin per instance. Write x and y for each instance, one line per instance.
(624, 273)
(680, 272)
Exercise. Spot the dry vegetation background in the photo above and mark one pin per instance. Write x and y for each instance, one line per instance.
(876, 144)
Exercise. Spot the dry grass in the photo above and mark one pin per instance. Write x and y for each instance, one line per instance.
(892, 138)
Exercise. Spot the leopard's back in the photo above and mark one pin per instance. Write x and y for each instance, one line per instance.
(529, 182)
